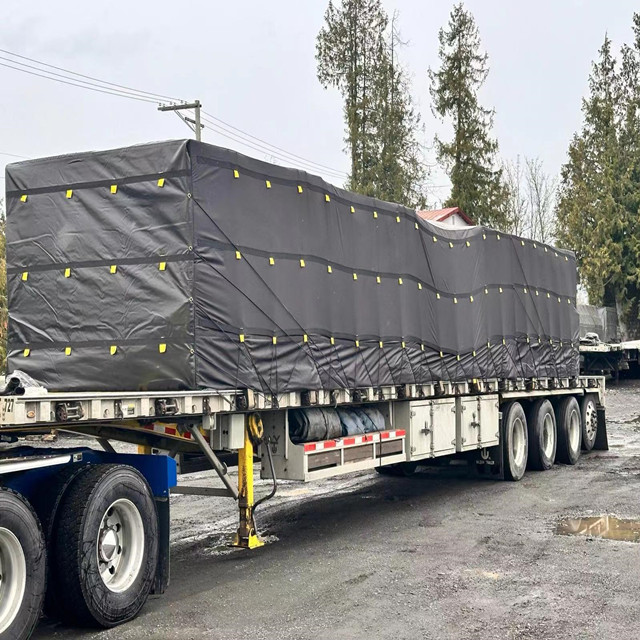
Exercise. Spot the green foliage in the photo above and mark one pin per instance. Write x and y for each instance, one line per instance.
(357, 53)
(599, 199)
(3, 293)
(470, 156)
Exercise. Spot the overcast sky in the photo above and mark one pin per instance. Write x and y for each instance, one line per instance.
(252, 64)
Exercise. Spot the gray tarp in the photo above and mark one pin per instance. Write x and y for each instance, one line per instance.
(183, 265)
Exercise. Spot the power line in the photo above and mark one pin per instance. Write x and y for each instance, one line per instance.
(219, 126)
(81, 75)
(73, 84)
(13, 155)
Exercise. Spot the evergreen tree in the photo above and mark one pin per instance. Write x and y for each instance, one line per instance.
(591, 219)
(357, 53)
(470, 156)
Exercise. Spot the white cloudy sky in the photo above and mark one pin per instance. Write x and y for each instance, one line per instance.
(252, 64)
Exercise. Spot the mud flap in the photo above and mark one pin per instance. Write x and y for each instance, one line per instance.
(602, 441)
(161, 582)
(489, 462)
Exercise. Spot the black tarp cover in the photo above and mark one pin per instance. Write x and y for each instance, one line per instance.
(180, 265)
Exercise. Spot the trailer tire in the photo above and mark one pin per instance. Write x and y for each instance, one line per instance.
(23, 571)
(569, 430)
(514, 441)
(541, 424)
(105, 546)
(589, 414)
(401, 469)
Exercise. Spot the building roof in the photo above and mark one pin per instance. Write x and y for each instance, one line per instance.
(440, 215)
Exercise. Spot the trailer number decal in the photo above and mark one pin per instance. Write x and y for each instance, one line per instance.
(8, 405)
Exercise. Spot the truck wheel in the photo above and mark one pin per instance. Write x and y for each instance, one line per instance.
(105, 546)
(22, 567)
(589, 414)
(541, 422)
(514, 441)
(569, 430)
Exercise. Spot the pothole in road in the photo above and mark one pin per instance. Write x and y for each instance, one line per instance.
(605, 527)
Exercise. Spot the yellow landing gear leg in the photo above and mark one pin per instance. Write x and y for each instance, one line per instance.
(246, 537)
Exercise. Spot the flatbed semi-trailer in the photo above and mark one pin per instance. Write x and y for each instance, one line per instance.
(64, 512)
(199, 303)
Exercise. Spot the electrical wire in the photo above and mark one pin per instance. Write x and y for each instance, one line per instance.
(111, 88)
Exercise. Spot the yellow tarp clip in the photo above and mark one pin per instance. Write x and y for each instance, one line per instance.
(162, 347)
(113, 349)
(162, 266)
(114, 188)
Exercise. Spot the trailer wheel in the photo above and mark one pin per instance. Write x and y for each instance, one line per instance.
(401, 469)
(22, 567)
(569, 430)
(541, 422)
(105, 546)
(589, 414)
(514, 441)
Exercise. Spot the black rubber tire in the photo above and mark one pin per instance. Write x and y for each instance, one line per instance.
(402, 469)
(589, 412)
(19, 518)
(569, 442)
(537, 412)
(87, 600)
(45, 503)
(514, 420)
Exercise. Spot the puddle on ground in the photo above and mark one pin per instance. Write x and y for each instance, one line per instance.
(605, 527)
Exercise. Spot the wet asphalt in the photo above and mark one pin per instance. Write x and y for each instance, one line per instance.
(440, 555)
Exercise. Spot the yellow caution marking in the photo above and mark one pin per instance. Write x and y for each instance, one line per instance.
(302, 263)
(67, 272)
(26, 353)
(25, 276)
(113, 349)
(162, 266)
(236, 174)
(238, 255)
(329, 269)
(69, 193)
(299, 188)
(274, 340)
(241, 337)
(268, 183)
(23, 197)
(67, 351)
(271, 261)
(327, 198)
(161, 182)
(162, 347)
(114, 188)
(113, 268)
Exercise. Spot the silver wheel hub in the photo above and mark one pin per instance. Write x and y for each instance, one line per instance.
(518, 442)
(120, 545)
(13, 577)
(591, 420)
(548, 435)
(574, 430)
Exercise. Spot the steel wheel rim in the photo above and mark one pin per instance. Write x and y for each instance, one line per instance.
(517, 442)
(591, 421)
(574, 430)
(13, 577)
(548, 436)
(120, 545)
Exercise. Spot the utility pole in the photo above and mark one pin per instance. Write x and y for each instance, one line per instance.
(194, 125)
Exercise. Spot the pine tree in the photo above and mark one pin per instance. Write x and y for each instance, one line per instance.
(591, 219)
(470, 156)
(357, 53)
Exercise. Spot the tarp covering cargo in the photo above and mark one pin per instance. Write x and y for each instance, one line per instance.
(182, 265)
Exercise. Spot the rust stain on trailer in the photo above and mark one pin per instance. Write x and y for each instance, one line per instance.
(605, 527)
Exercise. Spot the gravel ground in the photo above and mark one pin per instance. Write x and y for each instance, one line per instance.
(439, 555)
